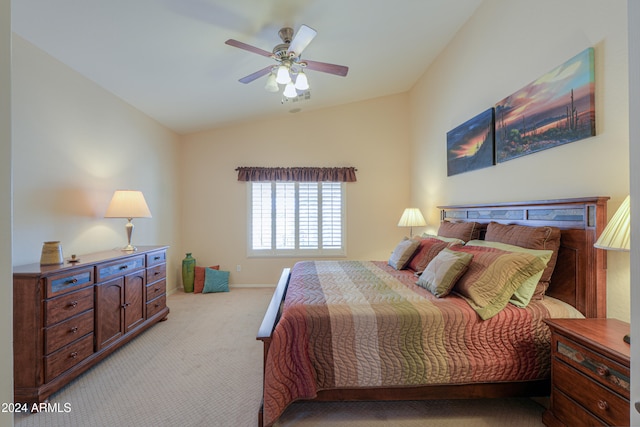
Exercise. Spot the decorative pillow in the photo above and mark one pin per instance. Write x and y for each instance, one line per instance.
(460, 230)
(403, 253)
(522, 296)
(215, 281)
(493, 276)
(451, 240)
(427, 250)
(198, 282)
(443, 271)
(545, 238)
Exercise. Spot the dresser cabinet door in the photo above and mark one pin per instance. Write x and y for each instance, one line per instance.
(109, 313)
(134, 300)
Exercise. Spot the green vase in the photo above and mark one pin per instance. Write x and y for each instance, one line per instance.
(188, 272)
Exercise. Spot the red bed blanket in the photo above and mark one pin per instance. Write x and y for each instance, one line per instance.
(348, 324)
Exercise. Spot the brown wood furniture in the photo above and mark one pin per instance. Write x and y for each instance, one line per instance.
(579, 279)
(68, 317)
(590, 373)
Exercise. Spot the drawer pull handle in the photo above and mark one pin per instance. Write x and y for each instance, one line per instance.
(156, 289)
(125, 305)
(71, 281)
(603, 371)
(73, 355)
(124, 267)
(73, 304)
(74, 330)
(156, 273)
(602, 404)
(157, 304)
(156, 258)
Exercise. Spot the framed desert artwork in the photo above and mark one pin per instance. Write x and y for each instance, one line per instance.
(470, 145)
(556, 109)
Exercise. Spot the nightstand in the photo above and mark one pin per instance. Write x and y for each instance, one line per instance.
(590, 373)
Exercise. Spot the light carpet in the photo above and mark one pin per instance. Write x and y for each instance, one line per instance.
(203, 367)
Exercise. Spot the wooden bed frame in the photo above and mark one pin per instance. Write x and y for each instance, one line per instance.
(579, 279)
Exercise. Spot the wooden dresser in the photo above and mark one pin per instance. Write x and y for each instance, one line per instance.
(68, 317)
(590, 373)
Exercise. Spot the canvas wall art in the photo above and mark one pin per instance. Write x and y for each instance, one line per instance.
(470, 145)
(556, 109)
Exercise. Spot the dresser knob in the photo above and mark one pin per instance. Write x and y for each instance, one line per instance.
(73, 355)
(603, 371)
(73, 304)
(602, 404)
(74, 330)
(124, 267)
(71, 281)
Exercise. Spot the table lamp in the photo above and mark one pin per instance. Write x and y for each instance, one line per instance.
(616, 236)
(412, 217)
(128, 204)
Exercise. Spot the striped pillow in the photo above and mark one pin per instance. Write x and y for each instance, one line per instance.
(493, 276)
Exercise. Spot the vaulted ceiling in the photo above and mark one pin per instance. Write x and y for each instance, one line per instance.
(168, 58)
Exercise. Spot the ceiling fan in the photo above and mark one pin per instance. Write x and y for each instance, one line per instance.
(289, 69)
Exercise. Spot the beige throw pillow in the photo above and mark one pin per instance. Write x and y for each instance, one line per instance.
(443, 272)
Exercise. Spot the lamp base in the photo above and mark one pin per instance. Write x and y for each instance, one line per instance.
(129, 248)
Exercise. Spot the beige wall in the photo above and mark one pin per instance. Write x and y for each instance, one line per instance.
(74, 144)
(372, 136)
(504, 46)
(6, 292)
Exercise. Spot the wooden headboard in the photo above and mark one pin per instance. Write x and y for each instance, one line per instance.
(579, 277)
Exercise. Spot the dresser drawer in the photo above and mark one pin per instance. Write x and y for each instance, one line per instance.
(67, 357)
(68, 281)
(118, 268)
(156, 289)
(591, 395)
(601, 369)
(67, 305)
(63, 333)
(156, 305)
(156, 273)
(158, 257)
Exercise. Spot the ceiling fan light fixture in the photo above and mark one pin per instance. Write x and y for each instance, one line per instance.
(301, 81)
(271, 85)
(283, 76)
(290, 90)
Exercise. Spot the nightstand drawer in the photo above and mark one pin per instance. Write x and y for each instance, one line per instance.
(605, 371)
(598, 400)
(571, 413)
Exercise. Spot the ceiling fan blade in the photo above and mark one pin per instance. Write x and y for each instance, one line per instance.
(256, 75)
(338, 70)
(301, 40)
(236, 43)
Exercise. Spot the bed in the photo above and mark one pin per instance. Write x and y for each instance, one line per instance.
(363, 330)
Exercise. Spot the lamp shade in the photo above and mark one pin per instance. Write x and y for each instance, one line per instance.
(128, 204)
(412, 217)
(617, 234)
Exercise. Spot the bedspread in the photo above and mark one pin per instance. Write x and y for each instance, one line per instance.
(352, 324)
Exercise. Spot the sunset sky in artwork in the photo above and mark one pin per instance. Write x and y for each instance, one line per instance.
(550, 90)
(470, 147)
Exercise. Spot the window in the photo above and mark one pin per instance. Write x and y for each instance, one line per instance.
(296, 218)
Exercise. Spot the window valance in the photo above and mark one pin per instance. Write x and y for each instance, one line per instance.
(299, 174)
